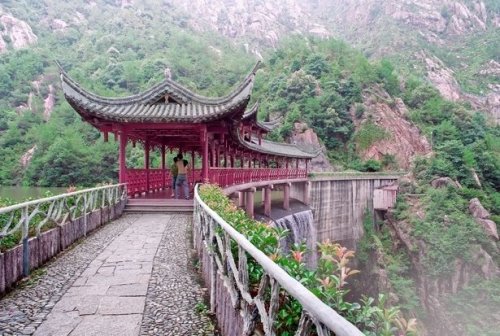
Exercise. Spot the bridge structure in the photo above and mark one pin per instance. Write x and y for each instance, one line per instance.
(137, 279)
(221, 136)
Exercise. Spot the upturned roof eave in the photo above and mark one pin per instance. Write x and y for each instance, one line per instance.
(300, 154)
(152, 95)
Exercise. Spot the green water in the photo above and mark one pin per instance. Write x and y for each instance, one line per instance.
(20, 194)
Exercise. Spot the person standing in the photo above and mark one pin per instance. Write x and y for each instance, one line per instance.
(174, 171)
(182, 182)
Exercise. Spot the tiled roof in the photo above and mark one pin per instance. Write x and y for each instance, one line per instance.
(251, 115)
(148, 107)
(271, 147)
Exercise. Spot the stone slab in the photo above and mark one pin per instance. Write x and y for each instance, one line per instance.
(109, 296)
(59, 324)
(121, 305)
(77, 291)
(128, 290)
(84, 305)
(119, 325)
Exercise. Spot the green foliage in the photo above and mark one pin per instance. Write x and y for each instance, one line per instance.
(317, 82)
(483, 296)
(329, 281)
(368, 134)
(446, 229)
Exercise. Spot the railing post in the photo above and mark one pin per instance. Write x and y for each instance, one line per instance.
(26, 246)
(85, 219)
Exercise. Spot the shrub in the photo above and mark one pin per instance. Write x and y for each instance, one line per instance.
(328, 282)
(368, 134)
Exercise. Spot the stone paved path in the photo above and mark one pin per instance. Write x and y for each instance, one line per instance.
(25, 308)
(140, 283)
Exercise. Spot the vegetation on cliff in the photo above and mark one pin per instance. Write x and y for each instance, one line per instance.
(119, 51)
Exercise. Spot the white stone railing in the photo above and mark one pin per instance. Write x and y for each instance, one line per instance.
(21, 220)
(230, 295)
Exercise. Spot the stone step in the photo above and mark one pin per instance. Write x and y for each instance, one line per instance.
(158, 208)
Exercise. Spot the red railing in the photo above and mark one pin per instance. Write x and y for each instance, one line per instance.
(232, 176)
(137, 179)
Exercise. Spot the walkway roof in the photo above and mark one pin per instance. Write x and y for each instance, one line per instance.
(165, 102)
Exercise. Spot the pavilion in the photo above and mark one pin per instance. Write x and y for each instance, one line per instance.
(223, 132)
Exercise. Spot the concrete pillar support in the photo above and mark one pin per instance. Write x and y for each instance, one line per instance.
(249, 200)
(241, 199)
(307, 192)
(286, 196)
(267, 200)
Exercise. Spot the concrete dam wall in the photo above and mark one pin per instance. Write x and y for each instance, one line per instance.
(339, 204)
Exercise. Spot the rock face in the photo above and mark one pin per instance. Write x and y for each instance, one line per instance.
(27, 156)
(392, 27)
(444, 182)
(265, 22)
(17, 31)
(482, 217)
(48, 103)
(442, 77)
(305, 138)
(432, 291)
(404, 140)
(490, 102)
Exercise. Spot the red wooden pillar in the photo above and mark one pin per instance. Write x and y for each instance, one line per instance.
(225, 157)
(192, 167)
(163, 167)
(122, 158)
(214, 159)
(297, 163)
(250, 161)
(231, 157)
(217, 155)
(146, 163)
(307, 165)
(204, 158)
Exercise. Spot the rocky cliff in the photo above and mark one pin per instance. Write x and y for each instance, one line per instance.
(404, 140)
(433, 292)
(14, 33)
(413, 32)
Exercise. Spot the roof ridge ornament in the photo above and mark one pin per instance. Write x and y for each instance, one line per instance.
(168, 73)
